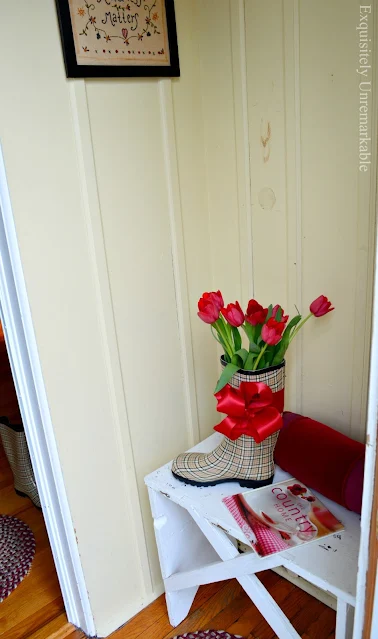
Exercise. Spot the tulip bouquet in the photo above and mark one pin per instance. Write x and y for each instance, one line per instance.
(268, 331)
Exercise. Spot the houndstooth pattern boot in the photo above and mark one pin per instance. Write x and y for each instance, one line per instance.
(242, 460)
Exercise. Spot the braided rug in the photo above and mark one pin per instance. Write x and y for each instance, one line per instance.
(17, 548)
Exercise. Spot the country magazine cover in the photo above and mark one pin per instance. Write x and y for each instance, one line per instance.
(281, 516)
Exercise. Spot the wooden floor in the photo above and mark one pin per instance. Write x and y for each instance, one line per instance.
(37, 599)
(225, 606)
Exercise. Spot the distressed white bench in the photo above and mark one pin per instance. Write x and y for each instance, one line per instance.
(194, 529)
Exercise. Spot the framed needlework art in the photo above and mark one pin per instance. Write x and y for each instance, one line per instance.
(118, 38)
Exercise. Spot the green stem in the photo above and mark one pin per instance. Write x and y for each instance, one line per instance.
(259, 357)
(228, 331)
(299, 326)
(218, 325)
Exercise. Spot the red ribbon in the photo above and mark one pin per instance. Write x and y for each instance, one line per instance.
(252, 409)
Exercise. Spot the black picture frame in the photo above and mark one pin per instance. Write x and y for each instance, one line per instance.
(75, 70)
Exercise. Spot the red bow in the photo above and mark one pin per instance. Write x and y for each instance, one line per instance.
(253, 409)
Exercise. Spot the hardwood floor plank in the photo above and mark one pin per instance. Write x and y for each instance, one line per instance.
(155, 615)
(268, 578)
(57, 628)
(77, 634)
(35, 592)
(231, 613)
(252, 624)
(201, 619)
(36, 620)
(323, 625)
(225, 606)
(307, 615)
(37, 600)
(11, 503)
(295, 602)
(252, 616)
(206, 592)
(280, 591)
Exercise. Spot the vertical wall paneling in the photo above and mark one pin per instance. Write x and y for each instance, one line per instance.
(291, 52)
(91, 207)
(135, 201)
(218, 108)
(312, 210)
(266, 117)
(187, 96)
(240, 94)
(365, 247)
(336, 221)
(178, 259)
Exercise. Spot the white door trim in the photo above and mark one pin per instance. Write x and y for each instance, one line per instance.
(27, 374)
(369, 474)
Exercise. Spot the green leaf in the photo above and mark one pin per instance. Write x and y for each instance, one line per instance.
(227, 373)
(282, 346)
(253, 348)
(293, 322)
(236, 337)
(268, 356)
(237, 360)
(280, 353)
(263, 363)
(243, 353)
(270, 311)
(248, 364)
(279, 315)
(249, 331)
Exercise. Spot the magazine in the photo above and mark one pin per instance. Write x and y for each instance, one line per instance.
(281, 516)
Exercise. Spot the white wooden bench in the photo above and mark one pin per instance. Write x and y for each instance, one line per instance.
(194, 529)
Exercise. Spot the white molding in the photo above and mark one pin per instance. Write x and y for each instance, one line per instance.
(242, 147)
(372, 411)
(92, 211)
(26, 369)
(178, 258)
(369, 475)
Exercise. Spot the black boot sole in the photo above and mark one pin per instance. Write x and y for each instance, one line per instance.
(244, 483)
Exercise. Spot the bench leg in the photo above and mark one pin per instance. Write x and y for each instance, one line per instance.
(181, 546)
(344, 620)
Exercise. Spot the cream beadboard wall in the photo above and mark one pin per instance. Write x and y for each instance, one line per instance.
(131, 197)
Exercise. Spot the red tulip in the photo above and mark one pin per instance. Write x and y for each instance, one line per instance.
(321, 306)
(271, 332)
(207, 311)
(275, 310)
(233, 314)
(256, 314)
(216, 298)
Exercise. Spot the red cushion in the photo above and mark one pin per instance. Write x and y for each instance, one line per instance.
(322, 458)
